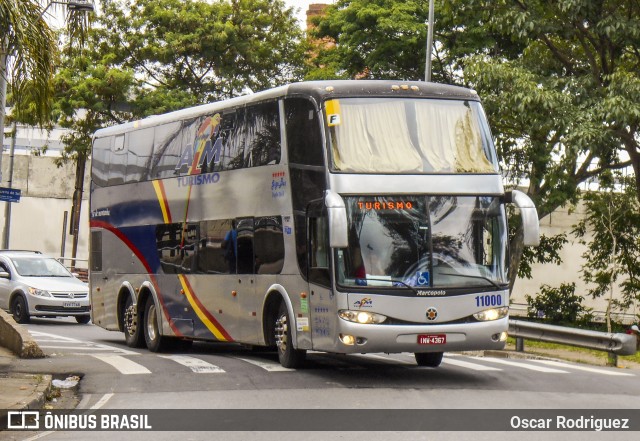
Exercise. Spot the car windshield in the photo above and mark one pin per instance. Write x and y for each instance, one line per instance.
(402, 135)
(40, 267)
(424, 242)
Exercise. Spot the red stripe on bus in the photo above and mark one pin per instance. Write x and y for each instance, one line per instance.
(206, 312)
(140, 256)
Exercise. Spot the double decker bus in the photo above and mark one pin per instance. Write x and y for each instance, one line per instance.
(336, 216)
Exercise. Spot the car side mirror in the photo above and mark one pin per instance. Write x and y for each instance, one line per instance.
(337, 220)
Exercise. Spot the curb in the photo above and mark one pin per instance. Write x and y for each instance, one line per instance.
(17, 339)
(38, 397)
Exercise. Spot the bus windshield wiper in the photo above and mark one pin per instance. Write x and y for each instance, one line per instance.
(473, 277)
(392, 281)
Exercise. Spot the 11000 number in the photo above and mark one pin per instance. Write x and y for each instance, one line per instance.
(489, 300)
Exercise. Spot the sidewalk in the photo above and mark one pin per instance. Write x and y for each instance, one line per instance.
(21, 391)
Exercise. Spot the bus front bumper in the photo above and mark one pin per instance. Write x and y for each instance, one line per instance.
(365, 338)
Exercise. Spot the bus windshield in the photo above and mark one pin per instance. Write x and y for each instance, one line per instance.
(424, 242)
(409, 135)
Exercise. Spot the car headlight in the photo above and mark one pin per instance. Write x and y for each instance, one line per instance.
(39, 292)
(362, 317)
(492, 314)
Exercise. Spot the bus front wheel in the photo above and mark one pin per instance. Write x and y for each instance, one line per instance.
(287, 355)
(429, 359)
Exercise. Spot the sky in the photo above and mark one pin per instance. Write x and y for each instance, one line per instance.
(302, 6)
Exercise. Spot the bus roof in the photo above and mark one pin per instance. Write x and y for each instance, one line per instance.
(320, 90)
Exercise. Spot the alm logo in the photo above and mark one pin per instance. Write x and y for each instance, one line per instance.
(364, 303)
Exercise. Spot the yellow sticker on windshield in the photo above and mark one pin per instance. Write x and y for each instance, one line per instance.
(332, 108)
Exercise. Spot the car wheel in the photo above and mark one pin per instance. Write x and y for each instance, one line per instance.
(155, 341)
(429, 359)
(287, 355)
(133, 334)
(20, 310)
(83, 319)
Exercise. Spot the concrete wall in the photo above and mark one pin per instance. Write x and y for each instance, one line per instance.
(36, 222)
(561, 221)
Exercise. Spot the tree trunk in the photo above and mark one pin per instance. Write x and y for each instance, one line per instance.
(77, 206)
(516, 249)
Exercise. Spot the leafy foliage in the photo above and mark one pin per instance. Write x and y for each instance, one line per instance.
(191, 52)
(613, 218)
(29, 45)
(559, 80)
(558, 305)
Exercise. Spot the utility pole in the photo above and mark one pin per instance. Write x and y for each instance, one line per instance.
(427, 69)
(7, 206)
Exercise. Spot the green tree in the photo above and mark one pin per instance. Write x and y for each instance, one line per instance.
(560, 80)
(558, 305)
(187, 52)
(613, 254)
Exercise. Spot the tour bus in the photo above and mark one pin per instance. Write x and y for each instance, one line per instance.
(336, 216)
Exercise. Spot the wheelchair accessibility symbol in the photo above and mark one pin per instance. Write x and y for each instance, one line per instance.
(422, 278)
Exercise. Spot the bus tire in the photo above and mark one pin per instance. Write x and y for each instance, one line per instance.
(429, 359)
(288, 356)
(133, 334)
(155, 341)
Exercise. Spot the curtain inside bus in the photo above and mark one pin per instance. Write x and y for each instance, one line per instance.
(372, 135)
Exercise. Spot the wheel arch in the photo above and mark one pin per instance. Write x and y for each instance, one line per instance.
(18, 293)
(276, 294)
(145, 292)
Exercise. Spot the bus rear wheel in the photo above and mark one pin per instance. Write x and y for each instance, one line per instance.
(133, 334)
(288, 356)
(429, 359)
(155, 341)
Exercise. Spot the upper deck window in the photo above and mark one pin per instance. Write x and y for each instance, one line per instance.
(396, 135)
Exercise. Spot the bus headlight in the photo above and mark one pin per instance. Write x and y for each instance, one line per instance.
(492, 314)
(362, 317)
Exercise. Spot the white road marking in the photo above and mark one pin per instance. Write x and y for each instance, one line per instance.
(522, 365)
(124, 365)
(469, 365)
(269, 366)
(101, 402)
(79, 344)
(584, 368)
(195, 364)
(387, 359)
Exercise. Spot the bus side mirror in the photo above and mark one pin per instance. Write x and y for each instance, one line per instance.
(529, 214)
(337, 220)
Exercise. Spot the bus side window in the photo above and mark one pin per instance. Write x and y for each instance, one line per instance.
(96, 251)
(268, 244)
(245, 257)
(319, 250)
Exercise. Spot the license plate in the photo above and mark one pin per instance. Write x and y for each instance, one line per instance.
(432, 339)
(71, 305)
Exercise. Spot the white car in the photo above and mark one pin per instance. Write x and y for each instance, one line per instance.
(35, 285)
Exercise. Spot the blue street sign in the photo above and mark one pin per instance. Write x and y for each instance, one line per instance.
(9, 194)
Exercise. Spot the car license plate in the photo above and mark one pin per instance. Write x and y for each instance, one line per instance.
(71, 304)
(432, 339)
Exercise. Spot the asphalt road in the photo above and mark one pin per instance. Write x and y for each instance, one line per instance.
(225, 376)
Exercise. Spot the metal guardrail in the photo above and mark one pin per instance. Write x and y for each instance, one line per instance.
(615, 343)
